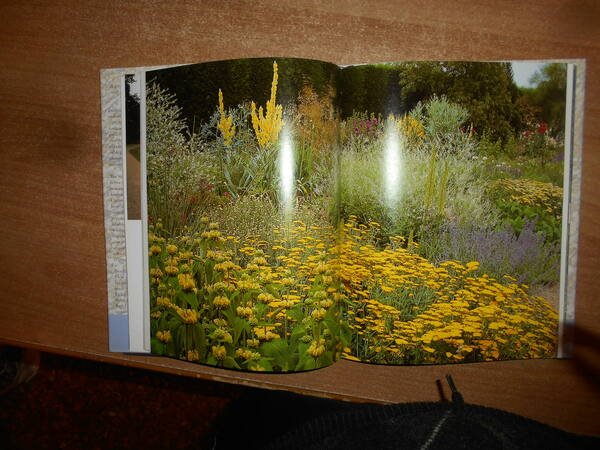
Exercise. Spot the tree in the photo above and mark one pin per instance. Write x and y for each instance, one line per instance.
(548, 96)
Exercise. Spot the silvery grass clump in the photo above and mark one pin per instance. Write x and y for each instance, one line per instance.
(432, 187)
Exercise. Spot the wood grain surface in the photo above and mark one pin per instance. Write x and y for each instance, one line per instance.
(52, 253)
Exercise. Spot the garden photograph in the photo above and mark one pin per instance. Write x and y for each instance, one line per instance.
(300, 212)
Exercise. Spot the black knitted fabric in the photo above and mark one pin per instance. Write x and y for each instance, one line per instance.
(274, 420)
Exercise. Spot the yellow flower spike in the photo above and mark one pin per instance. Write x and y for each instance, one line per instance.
(267, 126)
(225, 125)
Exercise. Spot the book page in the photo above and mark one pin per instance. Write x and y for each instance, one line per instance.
(453, 202)
(242, 237)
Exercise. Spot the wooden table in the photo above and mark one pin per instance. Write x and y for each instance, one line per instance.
(52, 254)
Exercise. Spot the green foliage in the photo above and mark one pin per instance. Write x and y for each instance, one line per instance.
(249, 215)
(441, 118)
(551, 172)
(210, 304)
(518, 215)
(524, 201)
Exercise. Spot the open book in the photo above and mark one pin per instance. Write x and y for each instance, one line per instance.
(278, 214)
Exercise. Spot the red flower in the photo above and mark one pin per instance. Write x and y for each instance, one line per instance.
(542, 128)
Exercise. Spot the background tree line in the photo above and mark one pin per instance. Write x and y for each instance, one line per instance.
(497, 107)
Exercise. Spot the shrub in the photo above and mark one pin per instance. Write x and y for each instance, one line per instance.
(443, 122)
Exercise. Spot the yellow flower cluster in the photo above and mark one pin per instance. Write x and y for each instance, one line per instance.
(225, 124)
(267, 126)
(187, 315)
(227, 297)
(411, 127)
(533, 193)
(404, 309)
(316, 348)
(164, 336)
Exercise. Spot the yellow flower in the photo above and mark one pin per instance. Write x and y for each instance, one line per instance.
(316, 348)
(155, 272)
(252, 343)
(164, 336)
(171, 270)
(164, 302)
(473, 265)
(265, 297)
(318, 314)
(189, 316)
(225, 266)
(222, 335)
(244, 311)
(186, 281)
(212, 234)
(192, 355)
(171, 249)
(220, 302)
(219, 352)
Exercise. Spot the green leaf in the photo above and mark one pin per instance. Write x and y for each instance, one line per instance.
(189, 298)
(296, 314)
(265, 363)
(326, 359)
(200, 339)
(230, 363)
(282, 354)
(157, 347)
